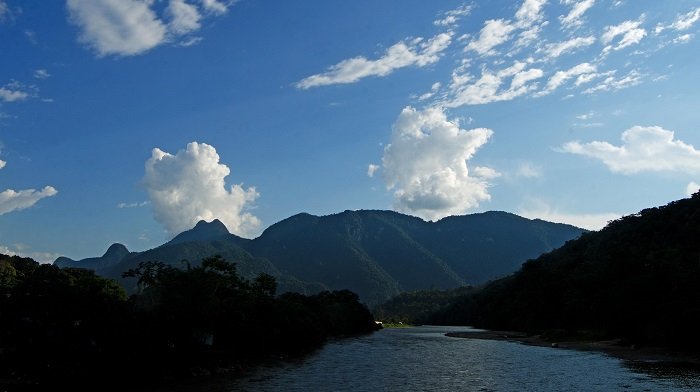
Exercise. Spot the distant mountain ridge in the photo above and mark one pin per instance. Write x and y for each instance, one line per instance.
(374, 253)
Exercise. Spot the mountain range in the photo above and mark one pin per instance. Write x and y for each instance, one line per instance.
(377, 254)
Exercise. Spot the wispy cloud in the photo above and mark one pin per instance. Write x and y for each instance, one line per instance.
(494, 33)
(557, 49)
(371, 169)
(586, 70)
(433, 90)
(42, 74)
(686, 21)
(528, 170)
(11, 200)
(451, 17)
(630, 33)
(134, 204)
(13, 92)
(529, 13)
(184, 17)
(4, 11)
(574, 18)
(643, 149)
(466, 91)
(611, 83)
(416, 52)
(216, 6)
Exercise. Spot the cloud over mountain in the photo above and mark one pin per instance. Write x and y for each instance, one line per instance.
(190, 186)
(425, 165)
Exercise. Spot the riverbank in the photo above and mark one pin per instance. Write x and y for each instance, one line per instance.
(614, 348)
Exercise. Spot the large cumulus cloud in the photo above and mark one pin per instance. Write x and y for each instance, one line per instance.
(190, 186)
(426, 165)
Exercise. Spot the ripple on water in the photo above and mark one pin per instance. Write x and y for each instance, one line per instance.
(423, 359)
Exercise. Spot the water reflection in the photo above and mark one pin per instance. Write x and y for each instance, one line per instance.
(423, 359)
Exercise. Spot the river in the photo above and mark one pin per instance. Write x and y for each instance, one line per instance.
(423, 359)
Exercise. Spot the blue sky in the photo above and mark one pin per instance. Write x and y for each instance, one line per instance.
(127, 121)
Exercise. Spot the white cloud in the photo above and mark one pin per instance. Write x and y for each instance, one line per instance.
(630, 31)
(133, 205)
(643, 149)
(692, 188)
(433, 90)
(12, 93)
(488, 88)
(417, 52)
(190, 41)
(561, 77)
(530, 35)
(585, 221)
(184, 17)
(486, 173)
(2, 163)
(11, 200)
(557, 49)
(610, 83)
(682, 39)
(4, 11)
(451, 17)
(586, 116)
(132, 27)
(529, 12)
(529, 170)
(21, 251)
(190, 186)
(371, 169)
(495, 32)
(574, 18)
(121, 27)
(686, 21)
(42, 74)
(216, 6)
(426, 165)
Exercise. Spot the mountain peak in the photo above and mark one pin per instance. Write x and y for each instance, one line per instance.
(213, 226)
(116, 250)
(202, 231)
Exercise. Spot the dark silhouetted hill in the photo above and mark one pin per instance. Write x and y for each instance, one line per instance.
(377, 254)
(637, 279)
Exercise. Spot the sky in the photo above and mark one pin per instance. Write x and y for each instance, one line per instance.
(130, 120)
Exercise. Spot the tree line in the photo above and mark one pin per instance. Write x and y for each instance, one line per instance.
(73, 326)
(637, 279)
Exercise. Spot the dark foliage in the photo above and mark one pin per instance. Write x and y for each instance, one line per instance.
(70, 326)
(417, 307)
(636, 279)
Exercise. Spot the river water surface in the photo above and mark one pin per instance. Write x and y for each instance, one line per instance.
(423, 359)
